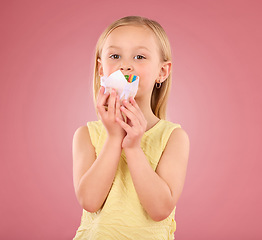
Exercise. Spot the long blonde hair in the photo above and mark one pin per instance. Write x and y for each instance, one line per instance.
(159, 95)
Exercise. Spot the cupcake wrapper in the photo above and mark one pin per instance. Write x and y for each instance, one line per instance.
(125, 85)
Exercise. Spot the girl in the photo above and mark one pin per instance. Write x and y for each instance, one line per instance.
(129, 172)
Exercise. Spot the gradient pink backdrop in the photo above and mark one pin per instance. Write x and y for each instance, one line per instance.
(46, 94)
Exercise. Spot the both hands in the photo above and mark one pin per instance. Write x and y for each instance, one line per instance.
(130, 130)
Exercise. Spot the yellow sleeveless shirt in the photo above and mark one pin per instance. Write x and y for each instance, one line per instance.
(122, 217)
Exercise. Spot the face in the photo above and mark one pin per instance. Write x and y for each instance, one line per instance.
(133, 50)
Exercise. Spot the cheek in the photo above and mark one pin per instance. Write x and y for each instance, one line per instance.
(108, 66)
(146, 82)
(148, 75)
(108, 69)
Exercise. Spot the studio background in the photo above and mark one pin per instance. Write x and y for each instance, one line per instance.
(47, 54)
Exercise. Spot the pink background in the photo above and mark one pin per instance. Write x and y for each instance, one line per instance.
(46, 94)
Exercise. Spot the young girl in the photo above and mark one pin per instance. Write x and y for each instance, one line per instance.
(129, 172)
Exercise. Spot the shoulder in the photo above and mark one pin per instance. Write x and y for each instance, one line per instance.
(81, 135)
(179, 142)
(83, 130)
(178, 136)
(88, 132)
(171, 125)
(171, 130)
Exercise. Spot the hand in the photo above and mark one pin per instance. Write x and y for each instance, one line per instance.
(135, 126)
(108, 116)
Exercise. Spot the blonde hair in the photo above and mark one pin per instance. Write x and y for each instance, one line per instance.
(159, 95)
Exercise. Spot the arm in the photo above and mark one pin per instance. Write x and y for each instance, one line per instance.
(93, 176)
(159, 191)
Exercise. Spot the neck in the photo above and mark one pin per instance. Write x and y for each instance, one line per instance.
(145, 106)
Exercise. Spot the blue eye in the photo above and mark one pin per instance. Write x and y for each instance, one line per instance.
(139, 57)
(114, 56)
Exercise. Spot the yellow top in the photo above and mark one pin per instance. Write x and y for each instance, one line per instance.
(122, 216)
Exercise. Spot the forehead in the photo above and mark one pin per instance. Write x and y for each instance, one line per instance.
(132, 35)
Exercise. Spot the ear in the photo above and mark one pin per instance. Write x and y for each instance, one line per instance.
(100, 67)
(165, 71)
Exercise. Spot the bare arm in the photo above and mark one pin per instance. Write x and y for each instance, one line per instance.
(159, 191)
(93, 176)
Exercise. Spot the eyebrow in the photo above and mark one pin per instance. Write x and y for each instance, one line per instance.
(138, 47)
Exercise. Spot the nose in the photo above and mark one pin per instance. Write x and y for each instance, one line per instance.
(125, 66)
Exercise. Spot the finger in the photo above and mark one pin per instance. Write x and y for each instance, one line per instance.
(134, 103)
(104, 99)
(138, 113)
(101, 100)
(129, 106)
(112, 104)
(133, 118)
(132, 109)
(100, 93)
(118, 112)
(124, 125)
